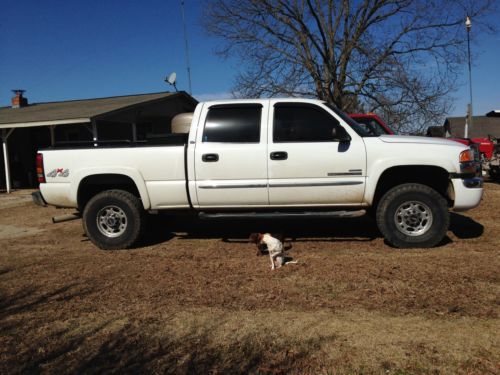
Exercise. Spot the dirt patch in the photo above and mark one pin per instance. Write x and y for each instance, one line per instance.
(195, 298)
(11, 231)
(15, 198)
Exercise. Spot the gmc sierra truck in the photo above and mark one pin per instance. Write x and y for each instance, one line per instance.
(269, 158)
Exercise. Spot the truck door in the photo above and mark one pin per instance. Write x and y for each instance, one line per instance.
(231, 156)
(307, 167)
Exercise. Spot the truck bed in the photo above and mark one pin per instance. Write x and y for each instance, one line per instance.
(158, 170)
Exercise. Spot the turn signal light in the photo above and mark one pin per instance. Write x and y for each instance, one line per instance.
(466, 156)
(39, 168)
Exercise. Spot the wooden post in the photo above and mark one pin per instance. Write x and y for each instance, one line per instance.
(134, 132)
(52, 129)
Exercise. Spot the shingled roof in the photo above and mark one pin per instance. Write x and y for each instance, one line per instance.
(75, 111)
(482, 126)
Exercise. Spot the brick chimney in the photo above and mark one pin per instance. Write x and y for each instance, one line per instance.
(19, 100)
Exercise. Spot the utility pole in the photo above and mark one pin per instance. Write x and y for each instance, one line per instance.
(186, 45)
(468, 122)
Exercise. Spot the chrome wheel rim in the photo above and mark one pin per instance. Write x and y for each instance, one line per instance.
(413, 218)
(112, 221)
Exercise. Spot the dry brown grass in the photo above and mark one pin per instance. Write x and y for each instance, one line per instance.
(194, 298)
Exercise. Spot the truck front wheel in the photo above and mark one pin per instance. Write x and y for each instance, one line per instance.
(113, 219)
(413, 215)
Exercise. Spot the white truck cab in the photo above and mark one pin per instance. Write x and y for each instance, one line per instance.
(268, 157)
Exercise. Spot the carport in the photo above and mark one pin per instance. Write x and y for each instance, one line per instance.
(126, 118)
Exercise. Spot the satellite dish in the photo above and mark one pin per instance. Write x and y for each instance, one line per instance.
(171, 78)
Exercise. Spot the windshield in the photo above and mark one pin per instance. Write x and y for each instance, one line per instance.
(372, 126)
(353, 124)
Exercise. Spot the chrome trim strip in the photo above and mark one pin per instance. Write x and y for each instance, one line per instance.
(250, 186)
(253, 186)
(359, 173)
(340, 183)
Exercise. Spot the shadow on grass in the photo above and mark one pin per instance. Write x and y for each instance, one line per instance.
(17, 309)
(20, 316)
(163, 228)
(464, 227)
(26, 300)
(130, 351)
(97, 346)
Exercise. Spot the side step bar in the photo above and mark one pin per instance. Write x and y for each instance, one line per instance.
(280, 215)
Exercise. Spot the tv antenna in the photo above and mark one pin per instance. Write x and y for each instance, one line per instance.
(171, 79)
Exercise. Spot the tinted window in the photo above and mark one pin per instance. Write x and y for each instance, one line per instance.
(300, 123)
(234, 124)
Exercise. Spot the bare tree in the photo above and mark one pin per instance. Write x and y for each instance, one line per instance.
(400, 58)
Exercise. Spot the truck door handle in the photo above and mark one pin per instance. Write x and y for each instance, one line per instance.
(210, 157)
(279, 155)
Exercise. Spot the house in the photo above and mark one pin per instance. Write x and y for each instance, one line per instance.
(482, 126)
(26, 127)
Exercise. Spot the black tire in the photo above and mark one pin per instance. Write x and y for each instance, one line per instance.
(113, 219)
(413, 215)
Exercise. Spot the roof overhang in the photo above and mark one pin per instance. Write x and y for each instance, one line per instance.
(82, 120)
(494, 113)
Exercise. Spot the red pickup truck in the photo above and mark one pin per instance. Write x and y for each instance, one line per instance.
(372, 123)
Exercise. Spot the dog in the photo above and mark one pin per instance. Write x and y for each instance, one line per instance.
(274, 247)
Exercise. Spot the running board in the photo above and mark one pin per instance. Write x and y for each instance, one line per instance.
(280, 215)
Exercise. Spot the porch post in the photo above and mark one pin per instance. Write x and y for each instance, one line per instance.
(5, 136)
(94, 132)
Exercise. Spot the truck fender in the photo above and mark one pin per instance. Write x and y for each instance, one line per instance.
(376, 170)
(132, 173)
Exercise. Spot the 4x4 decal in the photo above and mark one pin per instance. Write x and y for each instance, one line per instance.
(59, 172)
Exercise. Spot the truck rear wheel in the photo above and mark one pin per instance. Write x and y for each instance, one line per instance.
(413, 215)
(113, 219)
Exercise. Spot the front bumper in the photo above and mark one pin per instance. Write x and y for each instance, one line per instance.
(467, 192)
(38, 199)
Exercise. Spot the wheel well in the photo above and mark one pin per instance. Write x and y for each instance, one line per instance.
(92, 185)
(434, 177)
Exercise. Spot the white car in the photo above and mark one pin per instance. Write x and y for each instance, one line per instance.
(269, 158)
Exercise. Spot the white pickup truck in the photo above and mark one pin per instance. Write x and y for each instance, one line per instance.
(265, 158)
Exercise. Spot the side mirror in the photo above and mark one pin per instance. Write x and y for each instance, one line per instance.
(340, 134)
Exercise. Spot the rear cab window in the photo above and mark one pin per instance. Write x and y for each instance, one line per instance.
(233, 123)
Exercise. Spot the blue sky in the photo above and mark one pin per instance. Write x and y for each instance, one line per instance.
(60, 50)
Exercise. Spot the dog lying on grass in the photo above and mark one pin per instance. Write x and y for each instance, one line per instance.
(273, 246)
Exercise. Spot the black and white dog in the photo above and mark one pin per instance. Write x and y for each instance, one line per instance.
(265, 241)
